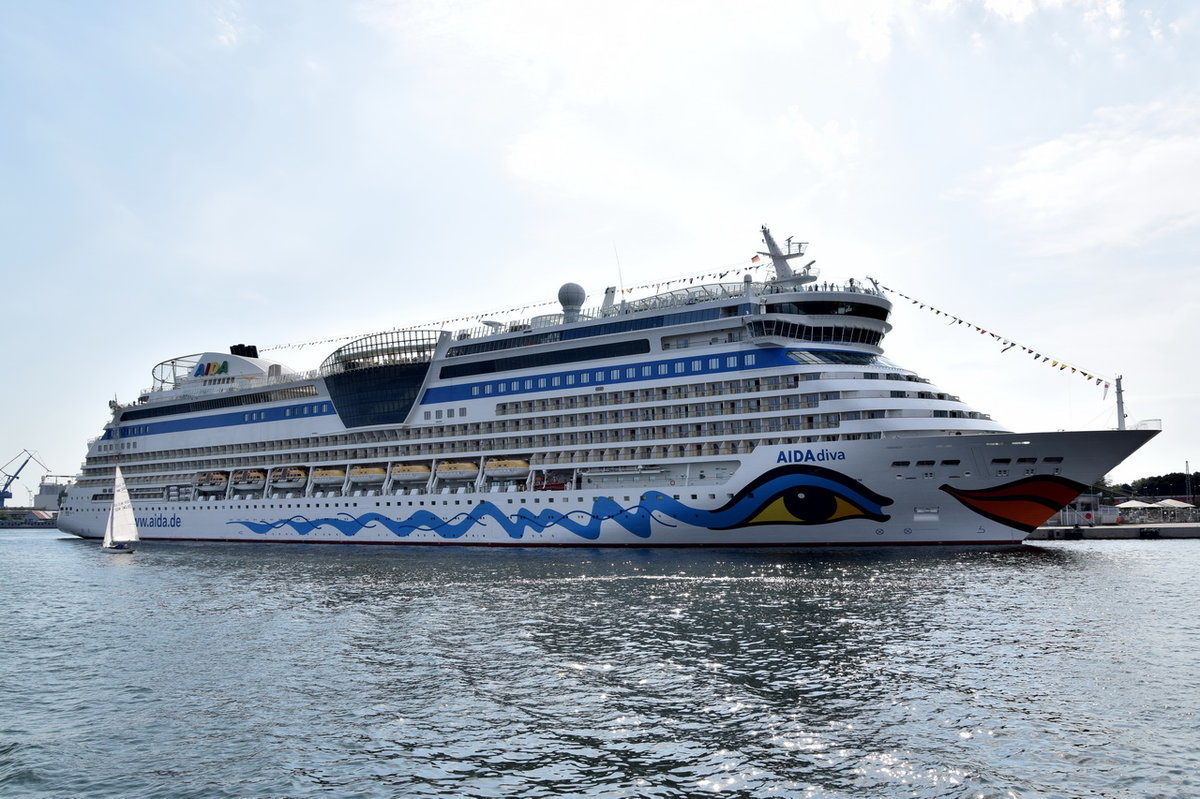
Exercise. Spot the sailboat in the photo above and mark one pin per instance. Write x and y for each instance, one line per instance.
(120, 531)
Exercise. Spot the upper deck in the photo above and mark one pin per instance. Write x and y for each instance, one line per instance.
(851, 306)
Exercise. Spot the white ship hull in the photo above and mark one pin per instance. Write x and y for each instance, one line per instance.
(842, 494)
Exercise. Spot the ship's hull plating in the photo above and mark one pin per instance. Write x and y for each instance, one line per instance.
(970, 489)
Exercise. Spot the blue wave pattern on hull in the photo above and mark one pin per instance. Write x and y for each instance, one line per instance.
(799, 495)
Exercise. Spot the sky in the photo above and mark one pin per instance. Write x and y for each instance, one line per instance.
(180, 177)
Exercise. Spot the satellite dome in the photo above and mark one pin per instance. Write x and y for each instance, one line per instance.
(571, 296)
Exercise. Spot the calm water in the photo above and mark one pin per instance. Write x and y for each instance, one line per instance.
(1065, 669)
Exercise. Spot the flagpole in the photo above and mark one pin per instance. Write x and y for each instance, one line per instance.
(1120, 404)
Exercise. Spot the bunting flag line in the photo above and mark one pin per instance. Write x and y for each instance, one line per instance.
(479, 317)
(1008, 344)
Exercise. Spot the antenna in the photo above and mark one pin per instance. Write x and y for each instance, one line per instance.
(620, 279)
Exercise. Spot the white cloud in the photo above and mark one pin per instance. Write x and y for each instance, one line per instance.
(577, 156)
(1127, 177)
(230, 28)
(1012, 10)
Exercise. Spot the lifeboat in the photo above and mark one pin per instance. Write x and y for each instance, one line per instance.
(248, 479)
(410, 472)
(328, 475)
(453, 470)
(289, 477)
(367, 474)
(506, 468)
(209, 482)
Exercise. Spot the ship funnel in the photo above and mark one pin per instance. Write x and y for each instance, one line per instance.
(571, 296)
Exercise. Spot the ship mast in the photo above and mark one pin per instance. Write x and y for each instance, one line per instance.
(779, 259)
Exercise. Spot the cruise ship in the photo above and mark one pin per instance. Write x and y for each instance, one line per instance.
(747, 413)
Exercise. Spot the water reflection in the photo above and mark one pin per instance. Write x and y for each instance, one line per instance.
(289, 670)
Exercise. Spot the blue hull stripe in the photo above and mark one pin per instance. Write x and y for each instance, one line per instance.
(306, 410)
(691, 366)
(646, 371)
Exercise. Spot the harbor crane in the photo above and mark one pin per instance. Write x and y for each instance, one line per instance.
(9, 479)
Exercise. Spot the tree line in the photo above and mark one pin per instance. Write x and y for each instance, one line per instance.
(1175, 484)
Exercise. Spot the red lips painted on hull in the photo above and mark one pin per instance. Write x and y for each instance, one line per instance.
(1025, 504)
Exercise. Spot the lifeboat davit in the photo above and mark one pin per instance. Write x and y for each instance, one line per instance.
(289, 477)
(211, 481)
(410, 472)
(328, 475)
(457, 471)
(501, 468)
(367, 474)
(248, 479)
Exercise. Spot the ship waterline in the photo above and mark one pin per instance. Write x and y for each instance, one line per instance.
(733, 414)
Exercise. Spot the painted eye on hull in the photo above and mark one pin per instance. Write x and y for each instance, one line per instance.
(807, 495)
(812, 506)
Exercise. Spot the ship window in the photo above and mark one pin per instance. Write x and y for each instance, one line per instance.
(630, 372)
(462, 411)
(953, 462)
(679, 367)
(900, 463)
(427, 416)
(615, 374)
(663, 368)
(697, 366)
(570, 379)
(528, 384)
(585, 377)
(475, 391)
(1052, 459)
(714, 363)
(541, 382)
(488, 388)
(731, 361)
(924, 463)
(437, 414)
(750, 359)
(1001, 460)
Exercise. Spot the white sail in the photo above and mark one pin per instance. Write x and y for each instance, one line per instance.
(121, 527)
